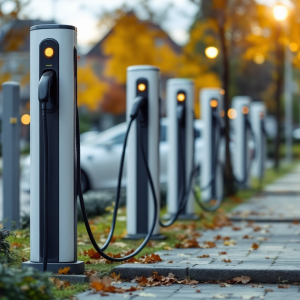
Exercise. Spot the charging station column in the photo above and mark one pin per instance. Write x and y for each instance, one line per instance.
(180, 99)
(241, 153)
(53, 77)
(211, 103)
(257, 116)
(142, 81)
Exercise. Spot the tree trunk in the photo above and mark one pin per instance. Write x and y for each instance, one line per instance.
(278, 92)
(229, 181)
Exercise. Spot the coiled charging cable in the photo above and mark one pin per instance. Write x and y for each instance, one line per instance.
(139, 102)
(216, 164)
(185, 192)
(247, 171)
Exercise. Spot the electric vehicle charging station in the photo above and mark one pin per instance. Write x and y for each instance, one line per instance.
(242, 155)
(180, 99)
(257, 116)
(143, 144)
(53, 194)
(212, 179)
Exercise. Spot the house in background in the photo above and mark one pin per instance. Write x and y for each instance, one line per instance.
(113, 105)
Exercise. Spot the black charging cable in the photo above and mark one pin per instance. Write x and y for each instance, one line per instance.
(247, 171)
(185, 191)
(45, 184)
(216, 165)
(44, 88)
(138, 104)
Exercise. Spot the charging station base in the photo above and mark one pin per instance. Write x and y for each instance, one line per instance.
(76, 267)
(182, 217)
(139, 236)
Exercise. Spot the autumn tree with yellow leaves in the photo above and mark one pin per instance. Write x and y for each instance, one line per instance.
(135, 42)
(224, 24)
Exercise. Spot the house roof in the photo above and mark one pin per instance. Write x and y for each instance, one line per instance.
(15, 35)
(97, 50)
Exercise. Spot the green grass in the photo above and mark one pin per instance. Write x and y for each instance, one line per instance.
(101, 225)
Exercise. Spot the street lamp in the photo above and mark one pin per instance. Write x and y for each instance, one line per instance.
(211, 52)
(280, 12)
(259, 58)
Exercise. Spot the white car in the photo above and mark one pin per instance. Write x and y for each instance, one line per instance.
(101, 155)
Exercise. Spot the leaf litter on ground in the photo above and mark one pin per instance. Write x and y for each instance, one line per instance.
(158, 280)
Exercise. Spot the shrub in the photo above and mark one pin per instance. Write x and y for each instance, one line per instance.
(5, 254)
(24, 284)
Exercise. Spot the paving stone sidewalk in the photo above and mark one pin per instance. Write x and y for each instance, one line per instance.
(207, 291)
(275, 235)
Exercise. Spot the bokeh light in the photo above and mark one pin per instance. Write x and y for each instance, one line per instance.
(293, 47)
(259, 58)
(211, 52)
(181, 97)
(231, 113)
(245, 110)
(25, 119)
(142, 87)
(280, 12)
(213, 102)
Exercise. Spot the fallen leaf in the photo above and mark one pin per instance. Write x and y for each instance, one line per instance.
(254, 246)
(268, 290)
(257, 228)
(89, 273)
(209, 244)
(227, 260)
(198, 291)
(59, 284)
(236, 228)
(223, 284)
(188, 243)
(16, 245)
(223, 253)
(24, 259)
(283, 286)
(242, 279)
(168, 248)
(170, 262)
(229, 243)
(64, 271)
(203, 256)
(267, 257)
(115, 277)
(247, 236)
(104, 286)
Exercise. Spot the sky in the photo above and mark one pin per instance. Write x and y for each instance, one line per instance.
(84, 14)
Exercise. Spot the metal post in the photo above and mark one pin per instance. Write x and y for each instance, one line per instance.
(288, 105)
(11, 154)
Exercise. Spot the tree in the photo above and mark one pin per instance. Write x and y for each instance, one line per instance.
(224, 23)
(133, 42)
(272, 38)
(90, 88)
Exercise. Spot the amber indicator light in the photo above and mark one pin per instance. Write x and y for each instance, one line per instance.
(49, 52)
(213, 103)
(181, 97)
(245, 110)
(142, 87)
